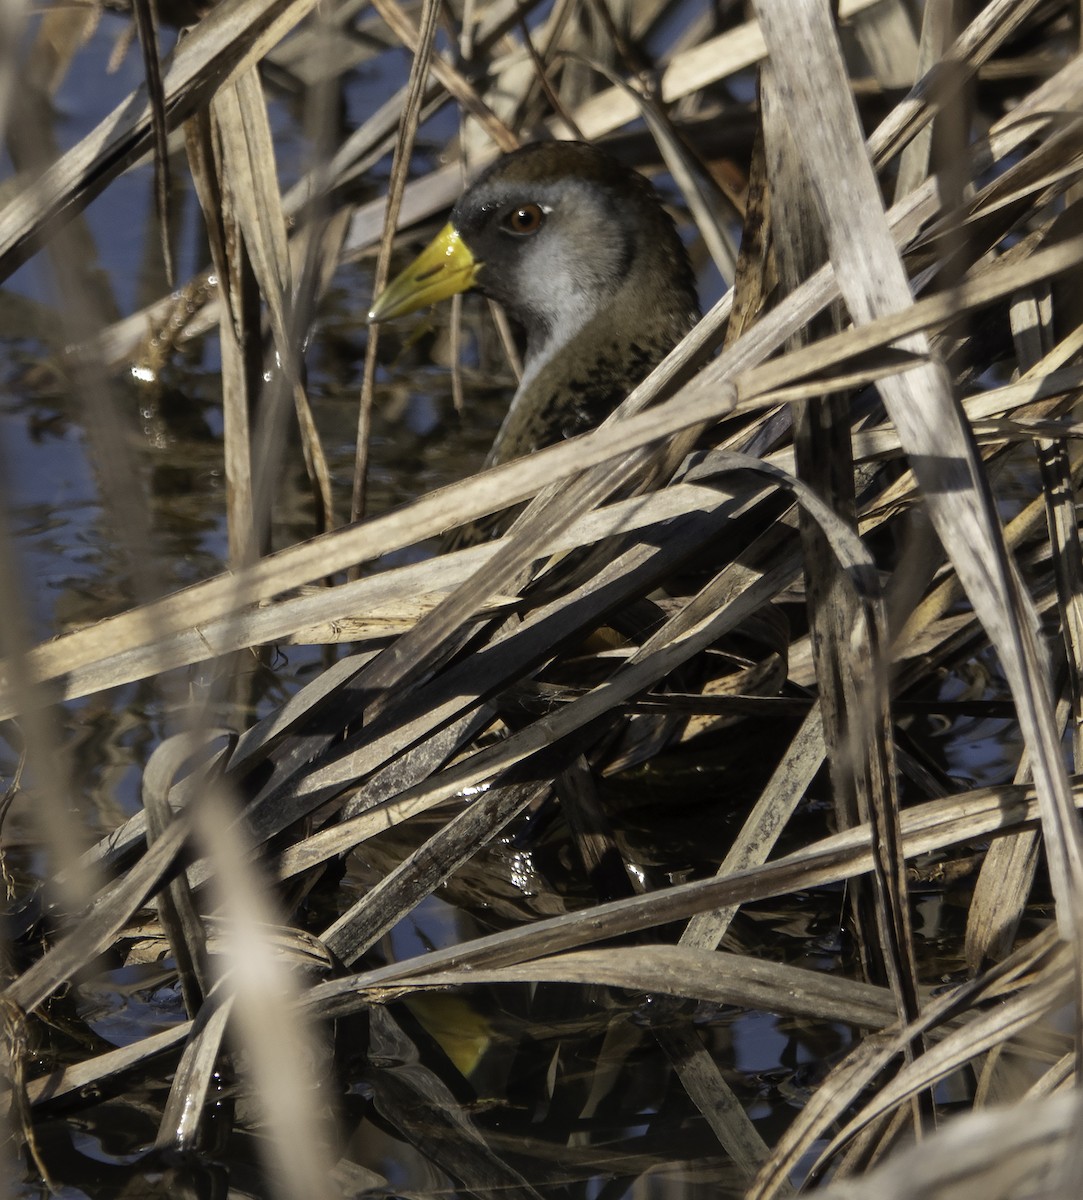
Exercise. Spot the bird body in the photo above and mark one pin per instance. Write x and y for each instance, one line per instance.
(578, 250)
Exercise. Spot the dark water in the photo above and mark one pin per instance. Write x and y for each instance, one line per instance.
(570, 1086)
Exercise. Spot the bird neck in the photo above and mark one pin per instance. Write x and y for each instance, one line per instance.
(582, 367)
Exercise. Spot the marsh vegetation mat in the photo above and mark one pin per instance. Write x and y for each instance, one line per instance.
(708, 824)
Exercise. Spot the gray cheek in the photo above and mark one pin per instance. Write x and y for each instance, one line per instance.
(559, 285)
(551, 278)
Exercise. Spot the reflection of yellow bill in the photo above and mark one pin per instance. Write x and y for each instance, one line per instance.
(463, 1032)
(443, 268)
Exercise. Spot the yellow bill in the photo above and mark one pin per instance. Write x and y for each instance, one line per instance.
(443, 268)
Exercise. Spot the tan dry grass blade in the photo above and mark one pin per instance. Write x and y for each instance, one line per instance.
(715, 1099)
(934, 825)
(233, 37)
(239, 332)
(998, 1154)
(283, 1057)
(885, 33)
(176, 906)
(946, 74)
(1000, 895)
(713, 976)
(146, 21)
(923, 409)
(422, 47)
(938, 27)
(847, 634)
(189, 611)
(872, 1055)
(74, 1078)
(250, 181)
(420, 873)
(768, 818)
(98, 930)
(183, 1113)
(315, 559)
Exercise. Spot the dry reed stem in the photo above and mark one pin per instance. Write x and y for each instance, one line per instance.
(390, 734)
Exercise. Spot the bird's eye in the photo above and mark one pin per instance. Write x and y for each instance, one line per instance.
(527, 218)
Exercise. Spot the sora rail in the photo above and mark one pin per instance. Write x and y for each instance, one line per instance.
(579, 251)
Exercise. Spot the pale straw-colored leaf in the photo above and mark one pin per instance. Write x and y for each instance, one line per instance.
(803, 43)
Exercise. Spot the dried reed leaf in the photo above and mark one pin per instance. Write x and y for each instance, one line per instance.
(708, 1090)
(716, 977)
(922, 407)
(239, 335)
(934, 825)
(176, 907)
(230, 39)
(146, 23)
(845, 637)
(873, 1054)
(886, 35)
(183, 1114)
(96, 931)
(74, 1078)
(283, 1058)
(776, 804)
(421, 872)
(1002, 1154)
(996, 22)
